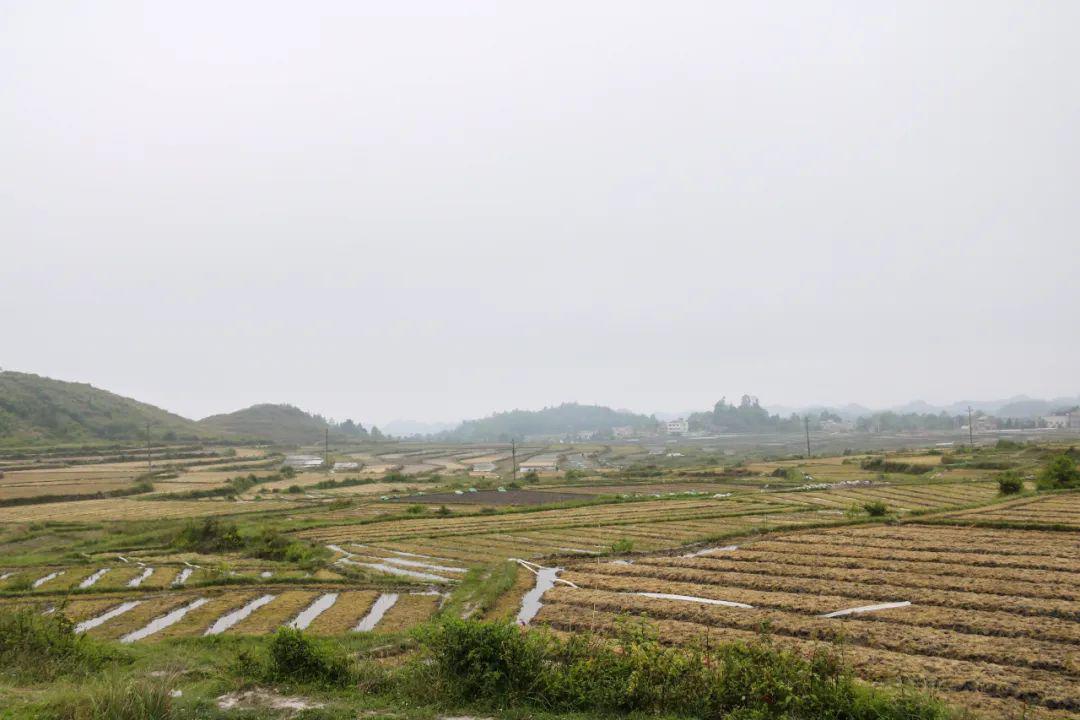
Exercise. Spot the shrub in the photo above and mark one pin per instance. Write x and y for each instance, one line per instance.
(531, 477)
(1010, 483)
(295, 657)
(443, 511)
(496, 664)
(416, 510)
(39, 648)
(294, 489)
(622, 545)
(209, 536)
(1059, 473)
(875, 508)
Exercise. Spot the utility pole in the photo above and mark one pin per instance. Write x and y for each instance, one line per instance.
(326, 449)
(513, 457)
(806, 421)
(149, 462)
(971, 430)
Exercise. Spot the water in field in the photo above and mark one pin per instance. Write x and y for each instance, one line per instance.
(51, 576)
(92, 579)
(692, 598)
(427, 566)
(706, 551)
(141, 578)
(314, 610)
(530, 603)
(383, 603)
(392, 570)
(226, 621)
(164, 621)
(183, 576)
(105, 617)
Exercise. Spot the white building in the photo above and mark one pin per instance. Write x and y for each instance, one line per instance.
(301, 462)
(338, 466)
(1063, 420)
(540, 464)
(678, 427)
(623, 431)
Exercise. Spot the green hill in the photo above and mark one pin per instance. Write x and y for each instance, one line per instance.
(564, 419)
(35, 409)
(282, 424)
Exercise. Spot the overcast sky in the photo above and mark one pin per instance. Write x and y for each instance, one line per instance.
(386, 210)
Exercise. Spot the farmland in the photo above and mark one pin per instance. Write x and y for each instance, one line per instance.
(980, 589)
(992, 620)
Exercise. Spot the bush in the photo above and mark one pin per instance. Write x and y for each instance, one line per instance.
(876, 508)
(40, 648)
(210, 535)
(1059, 473)
(622, 545)
(498, 665)
(295, 657)
(1010, 483)
(443, 511)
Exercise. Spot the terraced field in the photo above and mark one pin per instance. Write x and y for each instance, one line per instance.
(991, 617)
(322, 610)
(127, 509)
(646, 525)
(1059, 509)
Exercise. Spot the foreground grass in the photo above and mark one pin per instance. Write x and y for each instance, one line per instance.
(449, 666)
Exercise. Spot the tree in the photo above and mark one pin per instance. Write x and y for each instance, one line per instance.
(1059, 473)
(376, 433)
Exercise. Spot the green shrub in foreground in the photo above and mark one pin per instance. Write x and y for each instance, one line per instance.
(298, 658)
(1010, 483)
(500, 665)
(1059, 473)
(876, 508)
(40, 648)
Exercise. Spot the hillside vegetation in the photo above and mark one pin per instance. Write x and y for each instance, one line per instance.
(564, 419)
(35, 409)
(283, 424)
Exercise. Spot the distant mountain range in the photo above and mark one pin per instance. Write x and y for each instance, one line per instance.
(1019, 406)
(37, 410)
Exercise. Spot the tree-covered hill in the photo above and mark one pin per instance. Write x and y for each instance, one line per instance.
(35, 409)
(564, 419)
(282, 424)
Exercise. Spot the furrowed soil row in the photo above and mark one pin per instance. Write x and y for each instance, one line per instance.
(749, 555)
(879, 593)
(196, 622)
(983, 559)
(897, 579)
(908, 639)
(344, 614)
(979, 622)
(408, 611)
(140, 616)
(279, 611)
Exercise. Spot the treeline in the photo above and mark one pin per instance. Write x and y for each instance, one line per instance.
(565, 419)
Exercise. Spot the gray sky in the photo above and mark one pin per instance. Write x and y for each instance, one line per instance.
(436, 210)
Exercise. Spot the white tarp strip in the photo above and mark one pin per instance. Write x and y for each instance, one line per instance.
(867, 608)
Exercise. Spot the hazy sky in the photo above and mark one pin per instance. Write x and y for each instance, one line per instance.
(433, 210)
